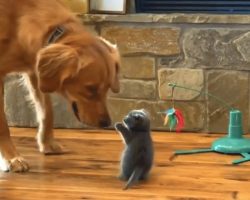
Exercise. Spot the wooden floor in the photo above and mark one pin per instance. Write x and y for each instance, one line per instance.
(90, 169)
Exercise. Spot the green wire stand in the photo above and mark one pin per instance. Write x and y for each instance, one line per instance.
(233, 143)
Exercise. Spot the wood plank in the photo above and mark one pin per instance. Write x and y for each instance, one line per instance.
(89, 170)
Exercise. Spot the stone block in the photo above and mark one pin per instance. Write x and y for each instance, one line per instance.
(192, 78)
(232, 87)
(138, 67)
(136, 89)
(99, 18)
(201, 18)
(136, 39)
(242, 44)
(169, 18)
(18, 110)
(218, 48)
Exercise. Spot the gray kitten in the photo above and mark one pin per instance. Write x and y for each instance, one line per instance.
(137, 157)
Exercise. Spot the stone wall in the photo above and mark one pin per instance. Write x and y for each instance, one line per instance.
(208, 53)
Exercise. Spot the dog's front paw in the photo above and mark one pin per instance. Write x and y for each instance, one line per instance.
(16, 164)
(51, 147)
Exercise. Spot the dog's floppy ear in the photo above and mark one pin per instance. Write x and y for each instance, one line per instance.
(115, 84)
(55, 63)
(114, 69)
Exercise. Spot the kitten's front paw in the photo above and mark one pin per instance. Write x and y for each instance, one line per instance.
(118, 126)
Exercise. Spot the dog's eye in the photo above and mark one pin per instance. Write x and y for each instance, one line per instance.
(117, 67)
(92, 90)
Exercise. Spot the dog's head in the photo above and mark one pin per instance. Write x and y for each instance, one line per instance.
(82, 70)
(137, 120)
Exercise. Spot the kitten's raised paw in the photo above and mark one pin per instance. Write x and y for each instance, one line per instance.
(118, 126)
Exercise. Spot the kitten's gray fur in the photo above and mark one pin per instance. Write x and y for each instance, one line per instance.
(137, 157)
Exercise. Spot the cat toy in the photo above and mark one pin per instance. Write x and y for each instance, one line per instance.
(173, 116)
(233, 142)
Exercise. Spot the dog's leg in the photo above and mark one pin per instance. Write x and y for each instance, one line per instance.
(44, 113)
(10, 160)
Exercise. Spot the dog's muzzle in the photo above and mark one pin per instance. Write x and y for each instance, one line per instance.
(75, 109)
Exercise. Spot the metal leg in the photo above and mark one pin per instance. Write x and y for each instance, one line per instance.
(194, 151)
(246, 157)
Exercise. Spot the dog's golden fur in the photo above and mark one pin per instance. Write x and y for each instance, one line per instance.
(78, 65)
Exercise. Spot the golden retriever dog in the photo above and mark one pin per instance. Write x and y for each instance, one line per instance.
(45, 42)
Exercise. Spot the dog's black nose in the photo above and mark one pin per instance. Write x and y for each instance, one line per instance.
(105, 123)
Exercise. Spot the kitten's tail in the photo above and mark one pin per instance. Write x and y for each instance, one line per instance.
(134, 177)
